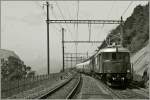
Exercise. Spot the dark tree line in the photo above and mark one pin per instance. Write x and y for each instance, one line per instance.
(13, 68)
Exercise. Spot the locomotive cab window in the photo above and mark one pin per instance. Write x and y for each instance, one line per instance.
(114, 57)
(124, 56)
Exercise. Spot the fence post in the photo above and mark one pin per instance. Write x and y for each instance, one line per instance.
(37, 79)
(40, 79)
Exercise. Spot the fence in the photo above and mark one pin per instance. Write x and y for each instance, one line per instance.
(9, 88)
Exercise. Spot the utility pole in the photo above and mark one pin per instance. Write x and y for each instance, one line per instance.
(83, 22)
(109, 41)
(87, 54)
(47, 21)
(76, 52)
(63, 48)
(0, 40)
(71, 60)
(121, 32)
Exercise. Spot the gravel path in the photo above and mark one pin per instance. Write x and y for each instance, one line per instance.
(125, 93)
(95, 89)
(129, 94)
(91, 89)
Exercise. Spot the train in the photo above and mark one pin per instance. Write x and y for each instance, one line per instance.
(111, 64)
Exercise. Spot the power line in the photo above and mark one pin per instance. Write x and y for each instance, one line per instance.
(127, 8)
(110, 9)
(69, 15)
(89, 26)
(77, 17)
(109, 12)
(62, 15)
(60, 10)
(56, 31)
(77, 29)
(44, 12)
(64, 19)
(78, 10)
(42, 7)
(55, 16)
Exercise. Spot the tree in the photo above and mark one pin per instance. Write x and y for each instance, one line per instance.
(135, 30)
(14, 68)
(31, 74)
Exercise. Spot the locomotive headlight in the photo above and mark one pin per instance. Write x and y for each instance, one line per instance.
(122, 78)
(128, 70)
(113, 78)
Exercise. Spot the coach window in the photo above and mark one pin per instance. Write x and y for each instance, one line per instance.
(113, 56)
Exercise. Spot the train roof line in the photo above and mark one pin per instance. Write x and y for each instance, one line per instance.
(109, 48)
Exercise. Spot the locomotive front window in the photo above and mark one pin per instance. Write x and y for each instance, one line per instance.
(116, 56)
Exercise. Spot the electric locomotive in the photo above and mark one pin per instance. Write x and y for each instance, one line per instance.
(113, 65)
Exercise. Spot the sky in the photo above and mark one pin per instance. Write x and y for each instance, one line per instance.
(24, 28)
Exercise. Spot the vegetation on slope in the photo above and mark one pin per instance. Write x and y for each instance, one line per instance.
(12, 67)
(135, 30)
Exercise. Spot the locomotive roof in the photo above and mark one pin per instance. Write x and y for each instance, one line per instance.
(108, 49)
(114, 49)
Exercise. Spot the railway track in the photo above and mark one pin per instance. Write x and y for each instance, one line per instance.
(95, 88)
(139, 89)
(135, 86)
(123, 93)
(65, 90)
(109, 90)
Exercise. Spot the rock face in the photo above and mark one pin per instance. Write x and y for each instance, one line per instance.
(141, 64)
(135, 30)
(140, 60)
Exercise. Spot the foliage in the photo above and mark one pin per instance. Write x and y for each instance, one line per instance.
(135, 30)
(31, 74)
(14, 68)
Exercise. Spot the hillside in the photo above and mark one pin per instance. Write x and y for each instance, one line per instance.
(141, 65)
(141, 61)
(6, 53)
(136, 39)
(135, 30)
(12, 67)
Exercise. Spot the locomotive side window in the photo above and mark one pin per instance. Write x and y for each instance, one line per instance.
(96, 60)
(107, 56)
(116, 56)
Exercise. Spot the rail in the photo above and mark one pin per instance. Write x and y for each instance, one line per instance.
(123, 94)
(10, 88)
(54, 89)
(57, 88)
(70, 95)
